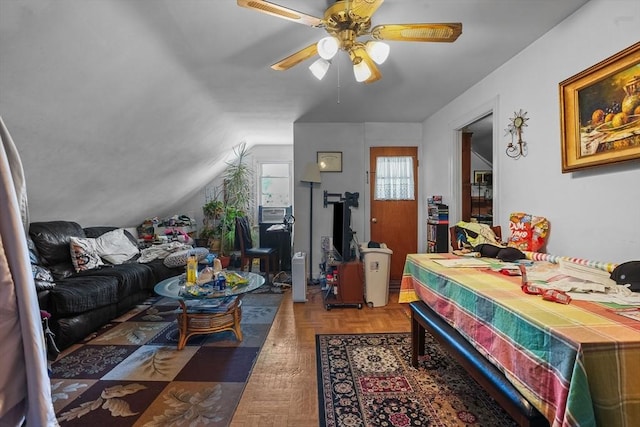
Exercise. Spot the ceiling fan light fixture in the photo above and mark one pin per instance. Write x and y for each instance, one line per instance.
(378, 51)
(319, 68)
(328, 47)
(361, 70)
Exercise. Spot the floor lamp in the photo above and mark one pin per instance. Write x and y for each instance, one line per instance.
(311, 175)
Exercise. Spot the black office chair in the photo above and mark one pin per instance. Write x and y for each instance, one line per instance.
(248, 253)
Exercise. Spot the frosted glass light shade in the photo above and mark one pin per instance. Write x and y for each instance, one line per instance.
(361, 71)
(319, 68)
(378, 51)
(327, 47)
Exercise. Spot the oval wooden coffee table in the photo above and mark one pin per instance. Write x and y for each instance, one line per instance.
(208, 313)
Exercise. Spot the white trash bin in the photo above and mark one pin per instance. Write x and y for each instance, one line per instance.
(376, 262)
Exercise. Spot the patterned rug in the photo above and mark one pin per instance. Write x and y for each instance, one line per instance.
(130, 373)
(368, 380)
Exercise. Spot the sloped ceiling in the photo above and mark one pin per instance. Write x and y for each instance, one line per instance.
(122, 108)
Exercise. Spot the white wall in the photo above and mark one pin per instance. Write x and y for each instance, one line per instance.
(593, 213)
(354, 140)
(263, 153)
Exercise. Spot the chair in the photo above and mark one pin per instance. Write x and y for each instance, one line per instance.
(497, 230)
(248, 253)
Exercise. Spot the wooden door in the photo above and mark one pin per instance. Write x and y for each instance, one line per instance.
(394, 222)
(465, 206)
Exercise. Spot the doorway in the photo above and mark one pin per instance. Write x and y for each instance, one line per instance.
(477, 171)
(394, 212)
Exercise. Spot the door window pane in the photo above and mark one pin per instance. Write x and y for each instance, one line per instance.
(394, 178)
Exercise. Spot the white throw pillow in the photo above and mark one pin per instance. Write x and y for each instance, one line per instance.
(84, 254)
(115, 247)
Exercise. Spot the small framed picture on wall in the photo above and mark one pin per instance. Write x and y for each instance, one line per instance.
(483, 177)
(330, 161)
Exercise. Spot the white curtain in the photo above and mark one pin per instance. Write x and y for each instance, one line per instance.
(394, 178)
(25, 391)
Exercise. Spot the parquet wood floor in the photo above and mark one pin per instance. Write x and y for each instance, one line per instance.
(282, 390)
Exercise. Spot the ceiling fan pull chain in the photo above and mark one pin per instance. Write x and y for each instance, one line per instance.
(338, 67)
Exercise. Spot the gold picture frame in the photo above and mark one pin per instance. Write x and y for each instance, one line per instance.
(600, 113)
(329, 161)
(483, 177)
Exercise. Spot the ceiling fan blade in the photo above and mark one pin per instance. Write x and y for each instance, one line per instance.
(446, 32)
(296, 58)
(281, 12)
(364, 8)
(360, 51)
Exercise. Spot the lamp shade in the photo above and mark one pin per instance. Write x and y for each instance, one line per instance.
(319, 68)
(361, 70)
(378, 51)
(311, 173)
(327, 47)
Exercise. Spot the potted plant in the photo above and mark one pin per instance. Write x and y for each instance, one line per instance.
(233, 198)
(213, 212)
(238, 194)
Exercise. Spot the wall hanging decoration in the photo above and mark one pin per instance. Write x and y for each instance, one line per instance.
(329, 161)
(600, 112)
(519, 148)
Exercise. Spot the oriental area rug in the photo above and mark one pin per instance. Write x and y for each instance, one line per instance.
(130, 372)
(367, 380)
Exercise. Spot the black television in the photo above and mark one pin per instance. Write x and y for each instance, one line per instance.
(342, 233)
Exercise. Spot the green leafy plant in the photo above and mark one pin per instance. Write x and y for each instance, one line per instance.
(233, 198)
(238, 181)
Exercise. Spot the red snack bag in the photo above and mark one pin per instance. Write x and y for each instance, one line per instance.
(556, 296)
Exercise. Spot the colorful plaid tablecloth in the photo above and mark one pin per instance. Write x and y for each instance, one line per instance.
(578, 364)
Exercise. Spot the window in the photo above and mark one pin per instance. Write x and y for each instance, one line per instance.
(274, 184)
(394, 178)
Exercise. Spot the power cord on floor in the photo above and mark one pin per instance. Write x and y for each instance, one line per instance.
(282, 280)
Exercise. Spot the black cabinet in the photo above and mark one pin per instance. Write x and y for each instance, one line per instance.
(279, 239)
(437, 237)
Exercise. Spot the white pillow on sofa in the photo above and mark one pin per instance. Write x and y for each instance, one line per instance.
(115, 247)
(84, 255)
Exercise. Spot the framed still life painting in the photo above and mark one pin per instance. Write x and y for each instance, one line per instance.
(600, 113)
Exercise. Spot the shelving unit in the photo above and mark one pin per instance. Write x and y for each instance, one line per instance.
(438, 228)
(348, 289)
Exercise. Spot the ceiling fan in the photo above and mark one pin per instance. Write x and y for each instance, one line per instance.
(346, 21)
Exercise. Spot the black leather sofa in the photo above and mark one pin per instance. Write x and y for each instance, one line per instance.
(81, 302)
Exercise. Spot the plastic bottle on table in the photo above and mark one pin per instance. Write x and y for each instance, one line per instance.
(192, 269)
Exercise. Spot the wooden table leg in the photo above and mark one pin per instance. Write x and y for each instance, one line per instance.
(183, 323)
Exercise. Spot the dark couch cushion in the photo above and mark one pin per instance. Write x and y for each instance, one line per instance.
(161, 271)
(131, 277)
(52, 240)
(79, 293)
(62, 270)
